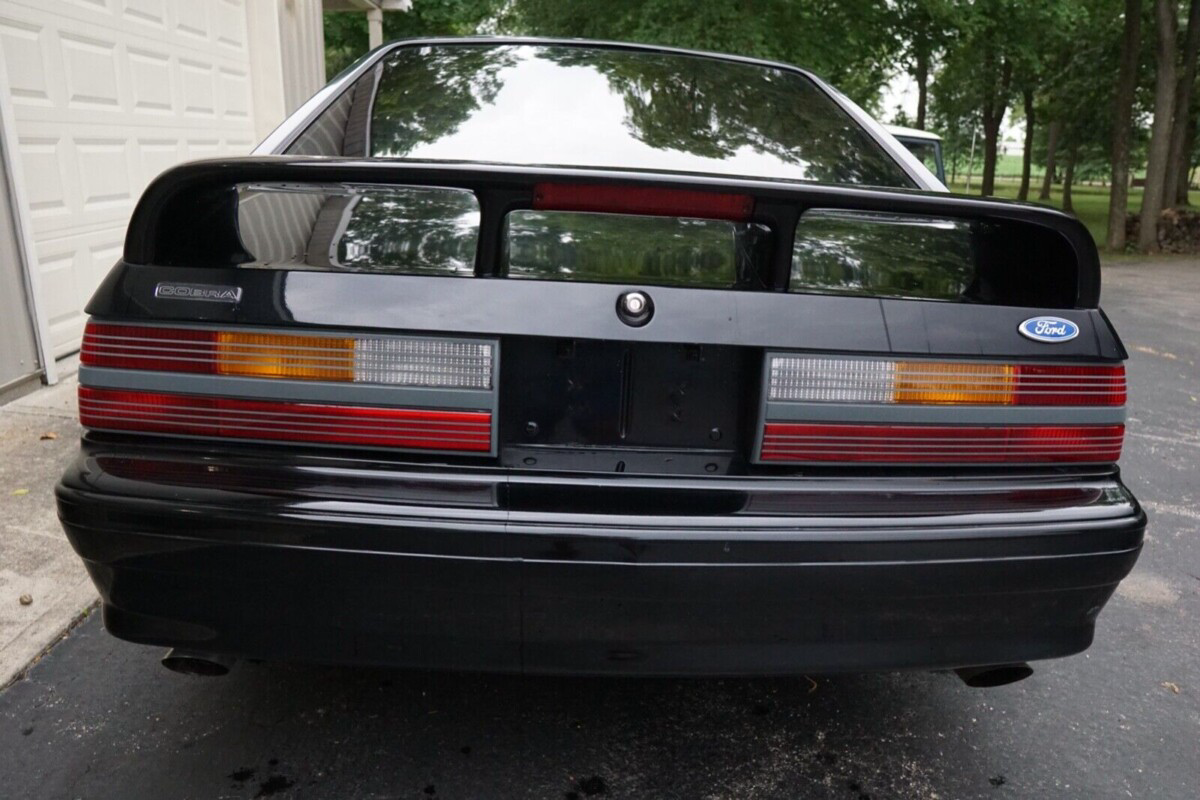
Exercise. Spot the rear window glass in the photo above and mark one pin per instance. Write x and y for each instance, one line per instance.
(882, 254)
(932, 258)
(551, 105)
(360, 228)
(622, 248)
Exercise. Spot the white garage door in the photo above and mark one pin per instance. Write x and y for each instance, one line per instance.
(106, 94)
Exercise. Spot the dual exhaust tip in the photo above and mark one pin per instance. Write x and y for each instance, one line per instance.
(190, 662)
(993, 675)
(214, 665)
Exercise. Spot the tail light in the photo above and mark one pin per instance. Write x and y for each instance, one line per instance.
(413, 393)
(859, 410)
(389, 360)
(931, 444)
(159, 412)
(837, 380)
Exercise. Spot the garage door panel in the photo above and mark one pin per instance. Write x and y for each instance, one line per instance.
(103, 250)
(60, 290)
(155, 156)
(191, 20)
(45, 182)
(230, 24)
(90, 71)
(196, 88)
(106, 95)
(233, 94)
(105, 176)
(146, 12)
(151, 81)
(23, 49)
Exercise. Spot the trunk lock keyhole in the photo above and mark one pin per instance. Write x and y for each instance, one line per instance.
(635, 308)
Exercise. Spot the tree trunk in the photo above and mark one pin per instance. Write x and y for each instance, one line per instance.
(1052, 135)
(1068, 203)
(993, 116)
(922, 76)
(1166, 25)
(1177, 161)
(1185, 166)
(1027, 158)
(1118, 199)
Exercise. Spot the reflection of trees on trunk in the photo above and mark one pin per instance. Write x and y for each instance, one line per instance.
(847, 253)
(426, 93)
(714, 108)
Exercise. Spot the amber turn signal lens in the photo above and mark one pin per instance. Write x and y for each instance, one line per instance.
(267, 355)
(931, 383)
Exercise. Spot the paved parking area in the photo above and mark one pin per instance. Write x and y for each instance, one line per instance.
(97, 718)
(38, 437)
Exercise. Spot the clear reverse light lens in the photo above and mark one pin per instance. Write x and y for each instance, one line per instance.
(831, 380)
(423, 362)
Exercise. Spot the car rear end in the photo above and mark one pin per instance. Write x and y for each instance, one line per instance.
(607, 399)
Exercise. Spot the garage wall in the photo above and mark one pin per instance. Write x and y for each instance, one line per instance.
(105, 95)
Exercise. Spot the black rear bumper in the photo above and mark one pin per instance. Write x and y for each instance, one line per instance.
(347, 561)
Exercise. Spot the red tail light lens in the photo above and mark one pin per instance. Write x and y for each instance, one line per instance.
(1058, 385)
(642, 200)
(190, 415)
(935, 444)
(144, 347)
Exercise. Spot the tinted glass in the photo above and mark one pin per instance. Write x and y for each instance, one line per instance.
(403, 229)
(585, 106)
(887, 255)
(567, 245)
(928, 152)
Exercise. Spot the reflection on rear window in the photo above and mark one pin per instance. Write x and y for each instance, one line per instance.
(597, 107)
(361, 228)
(885, 255)
(622, 248)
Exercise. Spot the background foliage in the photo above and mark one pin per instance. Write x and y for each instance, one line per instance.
(1049, 65)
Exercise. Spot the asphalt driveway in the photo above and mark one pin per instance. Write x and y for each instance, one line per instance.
(98, 718)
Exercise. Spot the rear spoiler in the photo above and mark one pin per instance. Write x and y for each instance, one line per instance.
(187, 217)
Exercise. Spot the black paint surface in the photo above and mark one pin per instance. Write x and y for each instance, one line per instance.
(98, 718)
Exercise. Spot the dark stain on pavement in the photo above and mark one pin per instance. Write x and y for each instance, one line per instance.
(274, 785)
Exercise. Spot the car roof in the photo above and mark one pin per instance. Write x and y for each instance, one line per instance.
(912, 133)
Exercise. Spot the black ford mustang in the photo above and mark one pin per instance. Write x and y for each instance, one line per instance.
(583, 357)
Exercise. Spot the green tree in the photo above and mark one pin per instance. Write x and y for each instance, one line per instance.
(1122, 116)
(1166, 28)
(852, 44)
(1175, 182)
(346, 31)
(924, 27)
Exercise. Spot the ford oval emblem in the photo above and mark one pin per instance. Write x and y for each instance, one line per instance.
(1048, 329)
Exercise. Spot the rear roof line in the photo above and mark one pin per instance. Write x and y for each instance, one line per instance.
(290, 129)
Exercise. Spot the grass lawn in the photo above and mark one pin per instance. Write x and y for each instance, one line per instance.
(1091, 202)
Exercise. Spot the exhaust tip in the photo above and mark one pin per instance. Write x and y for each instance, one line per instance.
(208, 665)
(994, 675)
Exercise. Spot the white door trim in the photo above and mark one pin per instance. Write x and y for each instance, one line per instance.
(23, 229)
